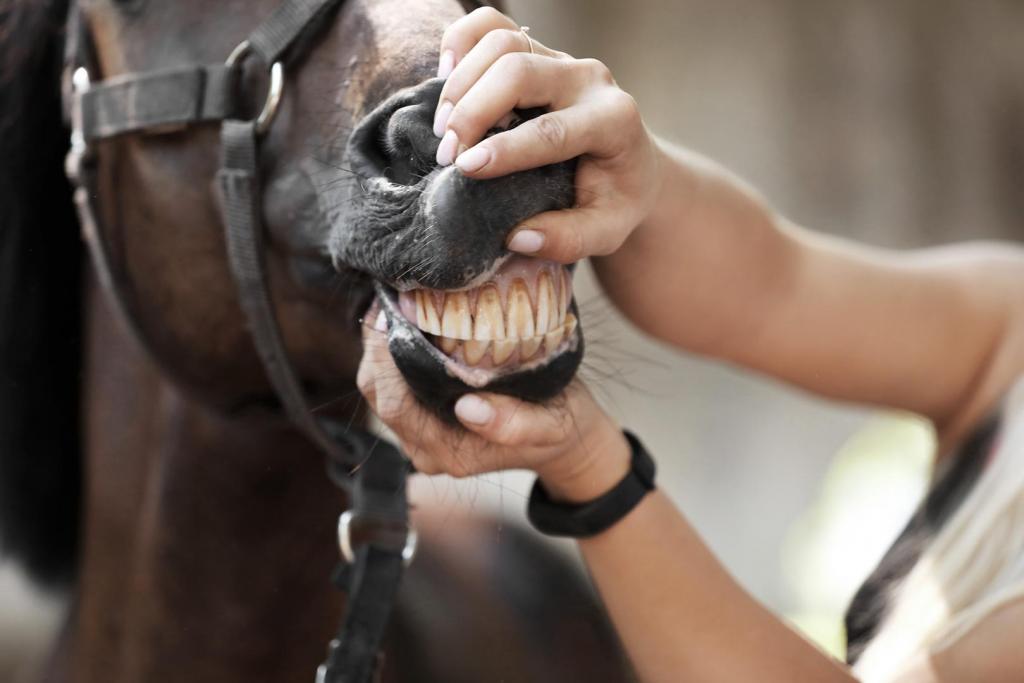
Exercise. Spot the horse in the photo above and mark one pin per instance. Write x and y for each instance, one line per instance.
(147, 465)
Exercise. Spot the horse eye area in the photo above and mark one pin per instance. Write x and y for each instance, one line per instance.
(519, 317)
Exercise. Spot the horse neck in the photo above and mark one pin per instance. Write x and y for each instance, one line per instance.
(208, 540)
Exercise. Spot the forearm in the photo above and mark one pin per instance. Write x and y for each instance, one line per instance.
(714, 271)
(681, 617)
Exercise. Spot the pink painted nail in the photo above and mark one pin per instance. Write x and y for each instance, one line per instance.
(441, 117)
(446, 150)
(474, 410)
(526, 242)
(446, 64)
(473, 159)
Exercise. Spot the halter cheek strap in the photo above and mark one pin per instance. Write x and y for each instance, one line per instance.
(373, 471)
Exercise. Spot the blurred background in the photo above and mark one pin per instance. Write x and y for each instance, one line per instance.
(897, 124)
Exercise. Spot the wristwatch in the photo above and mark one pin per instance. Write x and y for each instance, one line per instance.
(593, 517)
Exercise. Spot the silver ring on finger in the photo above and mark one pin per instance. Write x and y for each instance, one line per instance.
(525, 30)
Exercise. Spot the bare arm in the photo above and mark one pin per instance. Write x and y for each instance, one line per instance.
(696, 258)
(680, 615)
(937, 331)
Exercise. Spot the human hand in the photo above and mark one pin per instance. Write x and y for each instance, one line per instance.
(575, 448)
(492, 67)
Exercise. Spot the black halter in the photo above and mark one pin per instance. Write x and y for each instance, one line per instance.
(373, 471)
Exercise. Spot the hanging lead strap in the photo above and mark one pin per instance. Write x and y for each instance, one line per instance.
(377, 544)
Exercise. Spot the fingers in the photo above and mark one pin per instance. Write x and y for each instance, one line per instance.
(378, 379)
(571, 235)
(516, 81)
(507, 421)
(550, 138)
(492, 48)
(462, 35)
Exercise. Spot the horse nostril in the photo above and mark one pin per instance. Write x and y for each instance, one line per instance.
(396, 140)
(409, 144)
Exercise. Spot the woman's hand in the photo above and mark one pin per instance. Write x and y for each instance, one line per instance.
(492, 67)
(576, 449)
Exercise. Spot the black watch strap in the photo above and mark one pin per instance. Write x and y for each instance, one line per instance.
(591, 518)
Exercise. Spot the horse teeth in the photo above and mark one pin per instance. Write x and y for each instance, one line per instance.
(520, 325)
(570, 324)
(520, 312)
(426, 314)
(564, 295)
(528, 347)
(457, 322)
(490, 320)
(555, 310)
(553, 339)
(473, 350)
(503, 349)
(545, 304)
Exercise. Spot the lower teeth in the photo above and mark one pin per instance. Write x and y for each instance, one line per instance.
(501, 350)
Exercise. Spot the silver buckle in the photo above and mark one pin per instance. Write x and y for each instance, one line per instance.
(80, 83)
(274, 92)
(345, 539)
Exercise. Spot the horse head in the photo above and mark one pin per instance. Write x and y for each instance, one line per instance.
(186, 489)
(352, 200)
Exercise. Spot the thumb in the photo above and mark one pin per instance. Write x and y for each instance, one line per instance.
(571, 235)
(510, 422)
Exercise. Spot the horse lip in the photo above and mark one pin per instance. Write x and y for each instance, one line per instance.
(400, 326)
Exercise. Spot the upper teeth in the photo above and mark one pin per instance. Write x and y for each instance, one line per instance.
(522, 323)
(520, 319)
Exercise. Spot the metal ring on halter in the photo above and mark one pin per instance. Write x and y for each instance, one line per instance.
(525, 30)
(348, 551)
(274, 92)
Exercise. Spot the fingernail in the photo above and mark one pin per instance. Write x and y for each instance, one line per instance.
(441, 117)
(446, 150)
(526, 241)
(446, 64)
(474, 410)
(381, 323)
(473, 159)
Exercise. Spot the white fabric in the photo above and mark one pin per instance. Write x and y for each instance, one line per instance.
(973, 566)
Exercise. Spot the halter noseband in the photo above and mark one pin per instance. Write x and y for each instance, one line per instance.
(372, 470)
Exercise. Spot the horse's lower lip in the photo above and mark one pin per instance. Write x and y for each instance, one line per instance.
(519, 314)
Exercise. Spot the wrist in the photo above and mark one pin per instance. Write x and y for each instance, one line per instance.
(599, 463)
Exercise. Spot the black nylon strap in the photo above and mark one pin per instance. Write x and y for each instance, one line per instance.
(352, 657)
(168, 99)
(372, 581)
(379, 496)
(589, 519)
(273, 37)
(238, 182)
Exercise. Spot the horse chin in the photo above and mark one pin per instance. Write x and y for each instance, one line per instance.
(515, 333)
